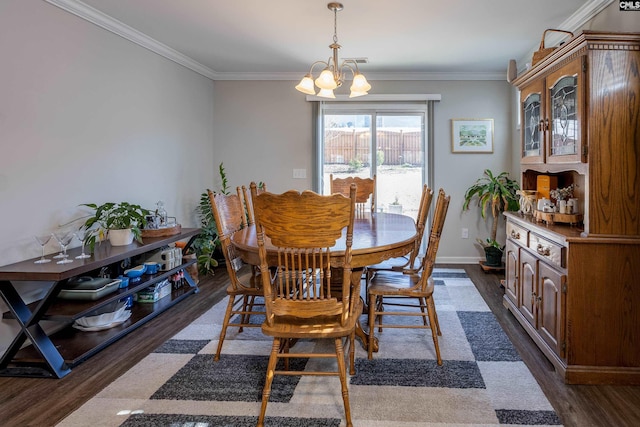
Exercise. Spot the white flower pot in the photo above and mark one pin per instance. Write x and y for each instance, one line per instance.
(120, 237)
(395, 209)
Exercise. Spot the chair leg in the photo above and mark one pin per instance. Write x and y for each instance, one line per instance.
(435, 315)
(380, 309)
(372, 325)
(266, 392)
(343, 380)
(423, 305)
(252, 302)
(225, 324)
(285, 345)
(432, 324)
(244, 318)
(352, 353)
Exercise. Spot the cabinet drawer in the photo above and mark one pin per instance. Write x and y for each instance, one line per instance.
(548, 250)
(517, 233)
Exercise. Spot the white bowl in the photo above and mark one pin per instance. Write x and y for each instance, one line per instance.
(104, 318)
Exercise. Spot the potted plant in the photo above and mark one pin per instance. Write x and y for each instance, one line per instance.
(206, 247)
(498, 193)
(120, 222)
(395, 207)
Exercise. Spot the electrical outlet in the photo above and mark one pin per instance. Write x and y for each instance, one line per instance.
(300, 173)
(465, 233)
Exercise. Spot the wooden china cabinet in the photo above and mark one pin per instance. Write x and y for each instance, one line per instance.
(575, 287)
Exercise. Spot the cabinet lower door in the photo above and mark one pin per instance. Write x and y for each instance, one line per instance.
(551, 308)
(512, 261)
(528, 282)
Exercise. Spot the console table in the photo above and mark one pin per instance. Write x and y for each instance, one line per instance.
(55, 355)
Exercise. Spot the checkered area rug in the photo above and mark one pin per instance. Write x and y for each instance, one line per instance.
(482, 382)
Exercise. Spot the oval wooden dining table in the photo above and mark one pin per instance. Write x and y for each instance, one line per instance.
(376, 237)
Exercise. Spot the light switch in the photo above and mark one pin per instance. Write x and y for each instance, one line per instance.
(300, 173)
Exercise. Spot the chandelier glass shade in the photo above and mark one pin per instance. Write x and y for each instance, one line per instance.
(333, 75)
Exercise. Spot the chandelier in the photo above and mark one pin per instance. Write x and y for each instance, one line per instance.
(332, 76)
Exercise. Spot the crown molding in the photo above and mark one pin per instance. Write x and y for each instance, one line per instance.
(105, 21)
(292, 76)
(88, 13)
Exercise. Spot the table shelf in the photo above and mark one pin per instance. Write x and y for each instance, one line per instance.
(76, 346)
(33, 353)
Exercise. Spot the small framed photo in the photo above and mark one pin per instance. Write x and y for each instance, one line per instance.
(472, 135)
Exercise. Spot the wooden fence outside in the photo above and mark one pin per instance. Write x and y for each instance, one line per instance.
(395, 146)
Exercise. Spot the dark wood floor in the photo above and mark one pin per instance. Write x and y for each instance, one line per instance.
(44, 402)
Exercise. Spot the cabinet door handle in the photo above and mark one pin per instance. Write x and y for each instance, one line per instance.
(542, 250)
(515, 234)
(543, 125)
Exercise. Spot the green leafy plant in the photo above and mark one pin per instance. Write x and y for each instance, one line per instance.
(496, 193)
(207, 241)
(355, 165)
(114, 216)
(206, 244)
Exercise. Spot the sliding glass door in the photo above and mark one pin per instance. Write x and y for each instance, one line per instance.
(388, 144)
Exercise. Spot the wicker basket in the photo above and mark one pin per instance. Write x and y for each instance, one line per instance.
(543, 51)
(161, 232)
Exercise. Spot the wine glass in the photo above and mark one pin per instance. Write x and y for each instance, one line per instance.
(43, 239)
(60, 254)
(64, 238)
(81, 234)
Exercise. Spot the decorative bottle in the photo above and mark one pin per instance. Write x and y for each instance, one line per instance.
(161, 214)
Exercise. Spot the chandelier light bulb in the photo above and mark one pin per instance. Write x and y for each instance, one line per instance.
(326, 93)
(360, 84)
(326, 80)
(355, 94)
(306, 85)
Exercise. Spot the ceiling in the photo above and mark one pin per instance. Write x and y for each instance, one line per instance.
(403, 39)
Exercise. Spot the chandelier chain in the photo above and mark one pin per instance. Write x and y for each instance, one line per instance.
(335, 25)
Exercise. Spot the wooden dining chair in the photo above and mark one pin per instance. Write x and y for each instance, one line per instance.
(301, 304)
(261, 187)
(244, 285)
(366, 190)
(395, 289)
(409, 263)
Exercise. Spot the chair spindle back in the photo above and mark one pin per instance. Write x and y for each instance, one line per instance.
(303, 227)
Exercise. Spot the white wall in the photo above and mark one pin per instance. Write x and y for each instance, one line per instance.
(87, 116)
(263, 132)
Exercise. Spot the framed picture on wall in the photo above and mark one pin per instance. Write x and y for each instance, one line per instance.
(472, 135)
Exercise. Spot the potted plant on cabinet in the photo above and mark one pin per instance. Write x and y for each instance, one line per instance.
(120, 222)
(498, 193)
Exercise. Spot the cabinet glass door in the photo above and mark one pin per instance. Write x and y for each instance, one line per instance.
(564, 97)
(532, 136)
(564, 123)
